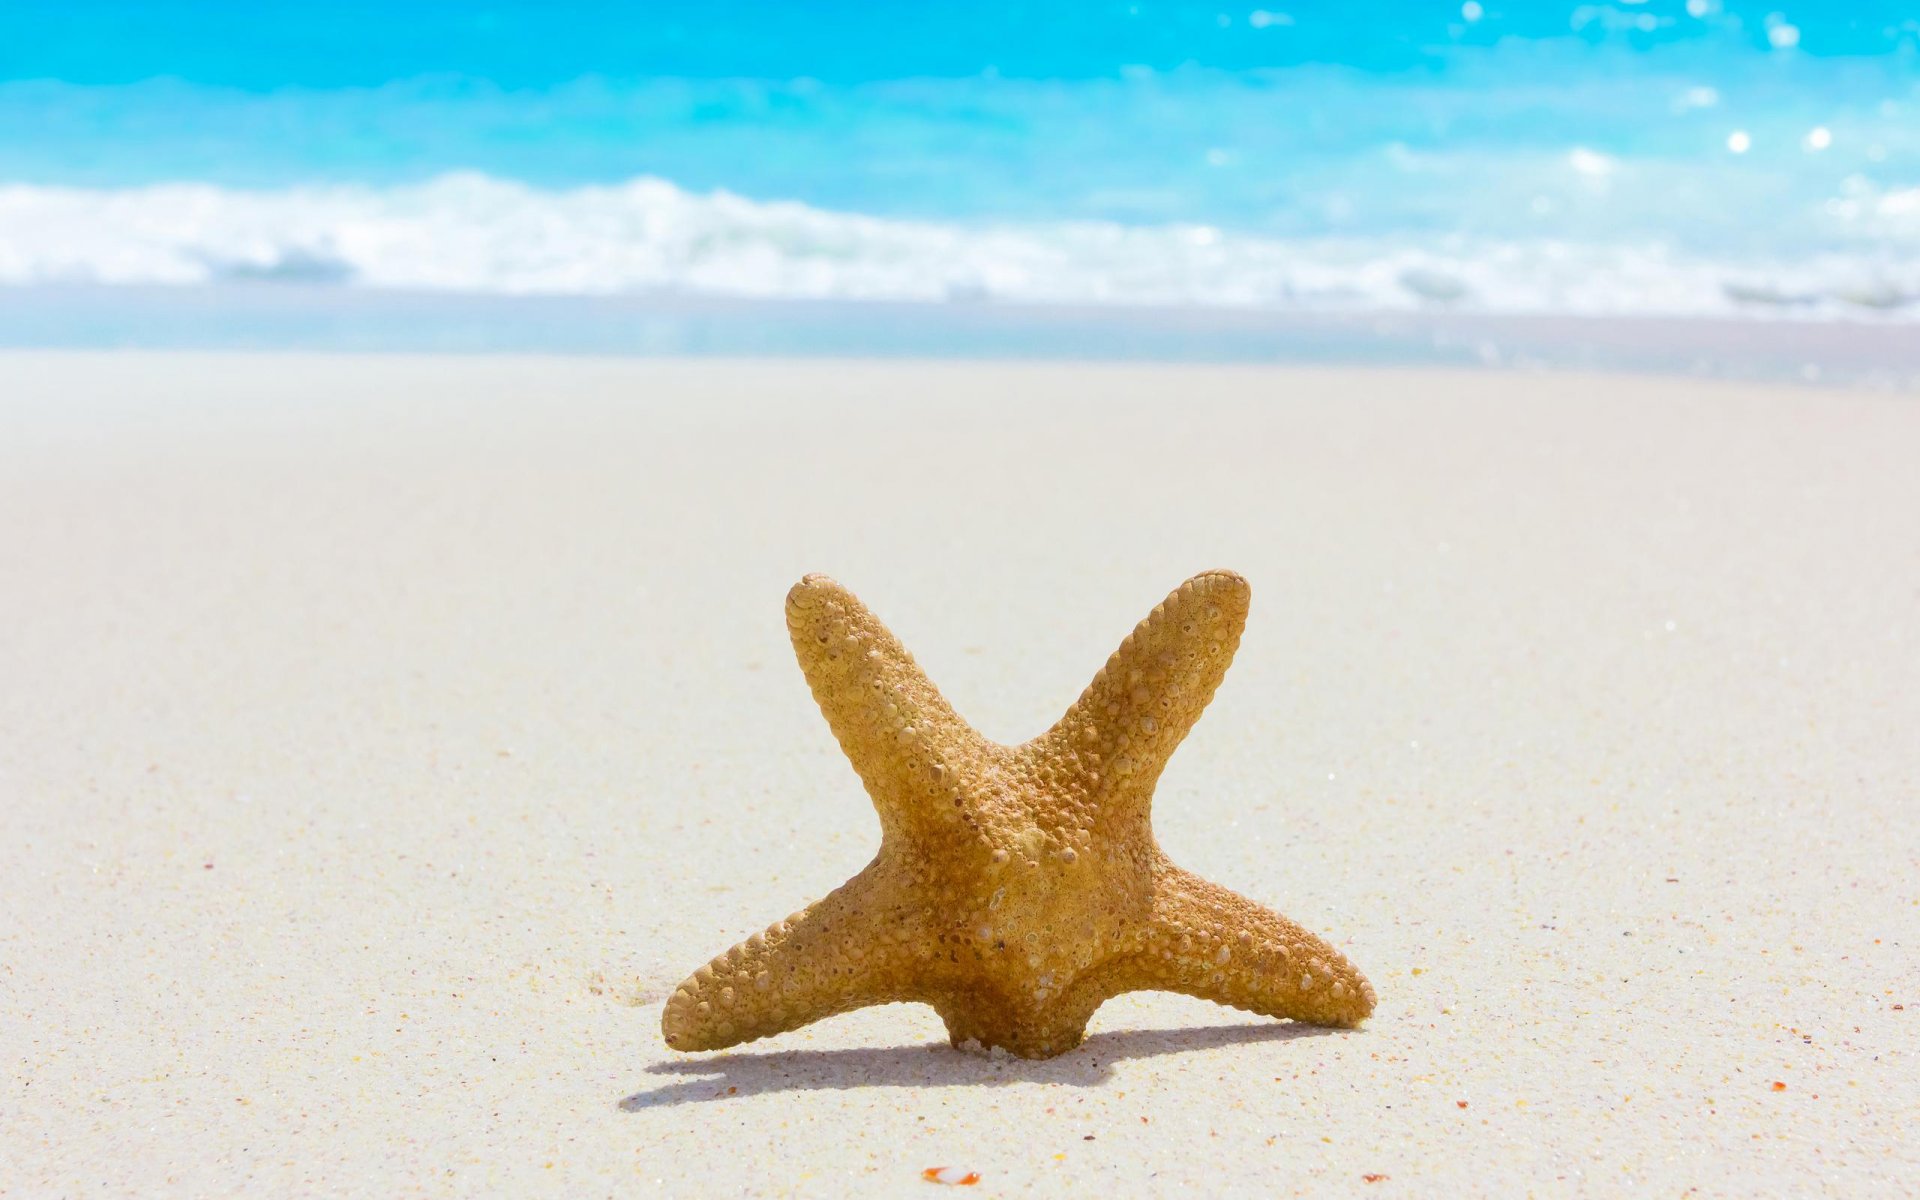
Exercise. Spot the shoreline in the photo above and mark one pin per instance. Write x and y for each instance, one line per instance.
(1868, 352)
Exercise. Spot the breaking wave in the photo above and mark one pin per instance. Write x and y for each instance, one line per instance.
(472, 233)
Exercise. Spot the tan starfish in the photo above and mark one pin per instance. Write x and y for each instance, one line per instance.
(1016, 887)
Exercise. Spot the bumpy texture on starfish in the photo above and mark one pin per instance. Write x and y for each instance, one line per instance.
(1017, 887)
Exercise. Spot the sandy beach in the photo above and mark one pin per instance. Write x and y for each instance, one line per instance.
(383, 738)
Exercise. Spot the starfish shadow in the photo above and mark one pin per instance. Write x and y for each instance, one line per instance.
(935, 1064)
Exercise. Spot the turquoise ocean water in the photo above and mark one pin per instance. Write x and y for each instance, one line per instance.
(1658, 159)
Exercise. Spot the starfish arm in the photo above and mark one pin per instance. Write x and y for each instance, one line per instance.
(1207, 941)
(901, 735)
(854, 948)
(1125, 726)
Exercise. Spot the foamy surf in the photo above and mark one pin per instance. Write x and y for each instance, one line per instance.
(471, 233)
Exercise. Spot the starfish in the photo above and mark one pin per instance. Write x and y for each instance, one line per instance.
(1017, 887)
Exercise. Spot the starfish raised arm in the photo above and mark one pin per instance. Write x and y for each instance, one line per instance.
(854, 948)
(1210, 942)
(1138, 709)
(899, 732)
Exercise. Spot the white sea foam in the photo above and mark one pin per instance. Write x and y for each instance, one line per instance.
(472, 233)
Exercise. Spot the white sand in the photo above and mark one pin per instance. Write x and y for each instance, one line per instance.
(380, 739)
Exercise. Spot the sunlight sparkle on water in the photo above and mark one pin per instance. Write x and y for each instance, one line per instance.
(1589, 163)
(1696, 97)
